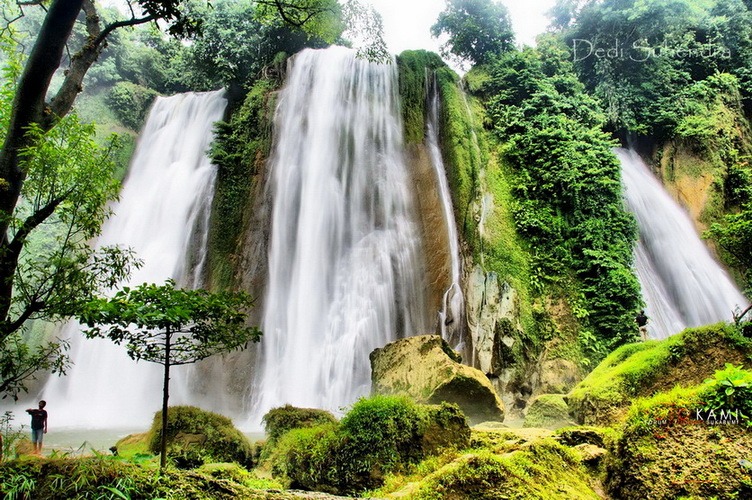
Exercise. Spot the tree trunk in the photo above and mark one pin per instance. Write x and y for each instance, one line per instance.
(165, 397)
(28, 108)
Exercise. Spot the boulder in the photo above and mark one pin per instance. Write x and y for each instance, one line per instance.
(558, 376)
(549, 411)
(425, 368)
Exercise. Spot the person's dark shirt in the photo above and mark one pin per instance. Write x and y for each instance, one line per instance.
(37, 418)
(641, 319)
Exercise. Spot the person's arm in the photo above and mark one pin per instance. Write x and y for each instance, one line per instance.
(45, 423)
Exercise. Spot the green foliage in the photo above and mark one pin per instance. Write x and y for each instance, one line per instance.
(65, 198)
(633, 369)
(656, 48)
(477, 30)
(173, 326)
(566, 187)
(317, 18)
(236, 44)
(239, 150)
(200, 436)
(462, 148)
(9, 436)
(103, 477)
(278, 421)
(414, 66)
(665, 409)
(365, 31)
(730, 389)
(734, 235)
(379, 435)
(130, 102)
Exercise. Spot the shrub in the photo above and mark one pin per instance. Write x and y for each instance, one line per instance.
(730, 389)
(280, 420)
(195, 436)
(379, 435)
(130, 102)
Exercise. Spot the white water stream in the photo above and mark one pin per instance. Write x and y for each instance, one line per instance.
(451, 317)
(162, 214)
(345, 261)
(682, 284)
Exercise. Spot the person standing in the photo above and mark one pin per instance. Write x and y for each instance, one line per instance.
(38, 426)
(642, 325)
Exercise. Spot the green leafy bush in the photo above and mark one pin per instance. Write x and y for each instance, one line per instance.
(196, 436)
(730, 389)
(379, 435)
(567, 199)
(130, 102)
(280, 420)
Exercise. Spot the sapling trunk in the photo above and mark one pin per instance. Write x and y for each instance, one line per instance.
(165, 397)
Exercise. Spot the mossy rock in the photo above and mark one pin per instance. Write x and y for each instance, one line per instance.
(645, 368)
(577, 435)
(100, 476)
(660, 456)
(380, 435)
(420, 368)
(543, 469)
(549, 411)
(285, 418)
(196, 436)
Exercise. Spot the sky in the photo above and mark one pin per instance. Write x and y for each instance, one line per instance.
(407, 23)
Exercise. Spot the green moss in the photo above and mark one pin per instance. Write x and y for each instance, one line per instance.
(280, 420)
(664, 452)
(239, 151)
(134, 447)
(549, 411)
(197, 436)
(379, 435)
(542, 470)
(635, 368)
(463, 149)
(109, 477)
(413, 67)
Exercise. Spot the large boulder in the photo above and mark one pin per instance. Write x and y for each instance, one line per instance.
(426, 369)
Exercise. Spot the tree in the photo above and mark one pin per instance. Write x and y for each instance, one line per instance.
(30, 128)
(172, 327)
(477, 29)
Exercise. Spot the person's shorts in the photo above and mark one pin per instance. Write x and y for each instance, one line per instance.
(37, 435)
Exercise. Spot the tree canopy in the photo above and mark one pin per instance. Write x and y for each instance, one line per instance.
(477, 30)
(169, 326)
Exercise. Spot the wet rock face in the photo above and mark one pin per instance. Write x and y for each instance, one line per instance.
(493, 320)
(421, 368)
(494, 326)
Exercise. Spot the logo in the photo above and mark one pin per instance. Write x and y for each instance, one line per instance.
(641, 51)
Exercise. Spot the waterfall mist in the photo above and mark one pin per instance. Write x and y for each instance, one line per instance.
(163, 215)
(682, 284)
(345, 269)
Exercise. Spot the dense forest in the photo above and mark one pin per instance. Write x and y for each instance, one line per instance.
(527, 135)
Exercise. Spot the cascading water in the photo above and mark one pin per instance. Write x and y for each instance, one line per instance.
(681, 282)
(451, 317)
(345, 269)
(164, 206)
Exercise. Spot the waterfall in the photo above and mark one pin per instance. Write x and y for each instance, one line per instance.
(451, 317)
(162, 215)
(681, 282)
(345, 269)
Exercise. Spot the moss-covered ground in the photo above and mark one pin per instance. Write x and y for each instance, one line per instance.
(643, 369)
